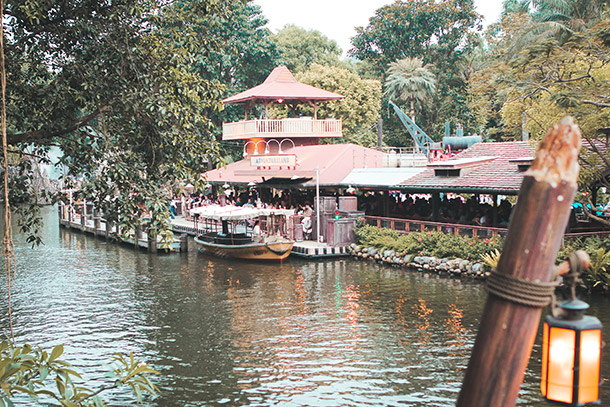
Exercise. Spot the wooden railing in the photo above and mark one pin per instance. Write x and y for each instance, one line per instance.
(474, 231)
(411, 225)
(293, 128)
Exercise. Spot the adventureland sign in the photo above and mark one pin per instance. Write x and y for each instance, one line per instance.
(278, 160)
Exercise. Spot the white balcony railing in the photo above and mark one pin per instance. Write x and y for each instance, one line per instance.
(293, 128)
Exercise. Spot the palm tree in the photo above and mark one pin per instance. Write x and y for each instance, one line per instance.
(411, 81)
(559, 19)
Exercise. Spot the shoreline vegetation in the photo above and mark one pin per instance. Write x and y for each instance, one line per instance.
(465, 257)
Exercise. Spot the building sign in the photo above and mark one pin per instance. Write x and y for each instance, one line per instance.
(277, 160)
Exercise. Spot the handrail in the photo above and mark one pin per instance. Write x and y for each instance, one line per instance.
(289, 127)
(423, 225)
(456, 228)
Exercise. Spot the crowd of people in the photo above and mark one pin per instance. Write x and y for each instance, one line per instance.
(452, 208)
(183, 203)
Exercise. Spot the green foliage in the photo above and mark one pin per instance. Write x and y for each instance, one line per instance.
(439, 33)
(245, 61)
(437, 244)
(359, 110)
(300, 48)
(597, 276)
(491, 258)
(408, 80)
(597, 273)
(28, 371)
(129, 90)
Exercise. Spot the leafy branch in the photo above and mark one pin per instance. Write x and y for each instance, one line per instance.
(28, 371)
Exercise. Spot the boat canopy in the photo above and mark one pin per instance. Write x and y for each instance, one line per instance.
(230, 212)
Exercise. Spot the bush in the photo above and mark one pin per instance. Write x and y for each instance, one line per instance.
(597, 276)
(437, 244)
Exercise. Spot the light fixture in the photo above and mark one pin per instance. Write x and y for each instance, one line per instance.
(350, 190)
(280, 100)
(571, 351)
(226, 185)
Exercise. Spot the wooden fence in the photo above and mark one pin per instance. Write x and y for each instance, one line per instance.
(474, 231)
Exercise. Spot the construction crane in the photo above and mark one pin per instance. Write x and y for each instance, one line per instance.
(436, 151)
(421, 139)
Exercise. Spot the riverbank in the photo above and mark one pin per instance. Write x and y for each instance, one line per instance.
(455, 266)
(464, 256)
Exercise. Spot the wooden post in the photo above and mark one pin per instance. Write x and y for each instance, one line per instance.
(152, 241)
(96, 220)
(83, 217)
(184, 241)
(108, 229)
(508, 330)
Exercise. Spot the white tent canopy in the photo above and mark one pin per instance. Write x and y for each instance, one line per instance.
(229, 212)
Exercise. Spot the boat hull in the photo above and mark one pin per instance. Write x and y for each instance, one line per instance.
(275, 251)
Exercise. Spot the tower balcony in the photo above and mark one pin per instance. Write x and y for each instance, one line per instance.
(282, 128)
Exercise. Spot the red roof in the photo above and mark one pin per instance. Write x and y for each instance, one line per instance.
(487, 167)
(335, 161)
(280, 84)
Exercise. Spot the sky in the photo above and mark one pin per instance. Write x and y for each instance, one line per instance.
(337, 18)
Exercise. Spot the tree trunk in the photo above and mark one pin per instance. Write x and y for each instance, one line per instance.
(413, 110)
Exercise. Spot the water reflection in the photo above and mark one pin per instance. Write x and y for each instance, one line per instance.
(337, 332)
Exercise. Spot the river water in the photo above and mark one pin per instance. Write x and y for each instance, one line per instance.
(303, 333)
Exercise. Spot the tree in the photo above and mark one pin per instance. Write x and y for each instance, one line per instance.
(115, 86)
(488, 86)
(561, 19)
(439, 33)
(359, 110)
(300, 48)
(248, 55)
(427, 29)
(410, 81)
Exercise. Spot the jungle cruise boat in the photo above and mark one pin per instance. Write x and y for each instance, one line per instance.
(246, 233)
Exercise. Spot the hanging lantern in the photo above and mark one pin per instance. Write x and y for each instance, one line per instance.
(571, 352)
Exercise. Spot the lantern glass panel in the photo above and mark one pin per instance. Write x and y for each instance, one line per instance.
(590, 352)
(561, 364)
(545, 359)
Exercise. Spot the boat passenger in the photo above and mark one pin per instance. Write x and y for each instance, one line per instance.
(256, 232)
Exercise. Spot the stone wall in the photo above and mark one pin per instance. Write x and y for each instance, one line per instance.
(456, 267)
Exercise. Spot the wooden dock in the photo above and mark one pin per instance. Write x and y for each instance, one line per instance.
(96, 225)
(89, 221)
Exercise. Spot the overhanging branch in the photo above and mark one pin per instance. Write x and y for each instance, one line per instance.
(41, 134)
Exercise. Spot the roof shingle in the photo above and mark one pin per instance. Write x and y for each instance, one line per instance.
(497, 174)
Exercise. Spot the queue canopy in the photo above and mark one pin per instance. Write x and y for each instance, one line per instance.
(230, 212)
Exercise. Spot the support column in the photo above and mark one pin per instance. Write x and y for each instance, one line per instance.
(436, 206)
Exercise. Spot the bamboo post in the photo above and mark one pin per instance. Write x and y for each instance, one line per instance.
(508, 330)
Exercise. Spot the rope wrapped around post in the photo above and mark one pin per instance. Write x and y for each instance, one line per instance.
(521, 291)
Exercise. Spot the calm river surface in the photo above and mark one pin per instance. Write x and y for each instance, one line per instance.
(321, 333)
